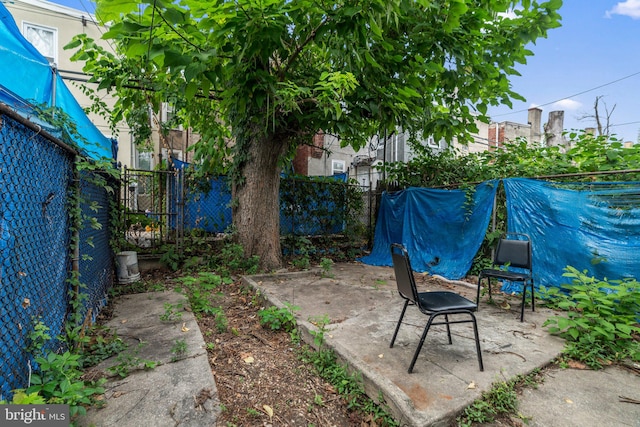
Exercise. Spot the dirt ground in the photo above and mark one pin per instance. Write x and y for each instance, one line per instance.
(254, 367)
(260, 378)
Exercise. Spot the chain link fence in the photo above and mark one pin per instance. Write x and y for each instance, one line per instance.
(96, 261)
(36, 184)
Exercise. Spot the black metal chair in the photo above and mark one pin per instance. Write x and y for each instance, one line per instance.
(513, 250)
(432, 304)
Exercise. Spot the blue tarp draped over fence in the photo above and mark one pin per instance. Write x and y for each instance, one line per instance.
(26, 77)
(317, 213)
(589, 226)
(441, 229)
(209, 211)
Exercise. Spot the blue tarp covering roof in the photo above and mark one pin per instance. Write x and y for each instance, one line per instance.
(27, 78)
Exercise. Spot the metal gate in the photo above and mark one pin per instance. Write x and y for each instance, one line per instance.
(152, 210)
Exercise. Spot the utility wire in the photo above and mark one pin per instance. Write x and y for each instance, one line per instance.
(572, 96)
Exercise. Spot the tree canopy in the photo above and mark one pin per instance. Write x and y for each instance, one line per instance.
(268, 74)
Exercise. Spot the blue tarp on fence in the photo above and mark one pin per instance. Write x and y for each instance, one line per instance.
(441, 229)
(26, 77)
(209, 211)
(36, 235)
(589, 226)
(594, 227)
(312, 208)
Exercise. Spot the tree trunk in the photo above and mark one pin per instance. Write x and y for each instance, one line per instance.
(256, 215)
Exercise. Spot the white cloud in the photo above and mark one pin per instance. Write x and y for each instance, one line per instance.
(629, 8)
(510, 14)
(567, 104)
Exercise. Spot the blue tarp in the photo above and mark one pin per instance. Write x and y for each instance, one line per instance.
(593, 227)
(26, 77)
(441, 229)
(209, 211)
(317, 213)
(589, 226)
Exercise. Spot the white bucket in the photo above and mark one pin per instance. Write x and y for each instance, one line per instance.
(127, 266)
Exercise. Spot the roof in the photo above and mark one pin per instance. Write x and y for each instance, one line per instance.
(54, 7)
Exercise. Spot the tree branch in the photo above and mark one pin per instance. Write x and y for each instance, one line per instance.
(198, 48)
(299, 49)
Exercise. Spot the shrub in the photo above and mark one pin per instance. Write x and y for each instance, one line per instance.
(600, 322)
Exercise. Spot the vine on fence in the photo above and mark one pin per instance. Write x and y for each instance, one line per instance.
(323, 206)
(56, 377)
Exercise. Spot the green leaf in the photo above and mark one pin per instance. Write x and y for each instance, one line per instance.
(193, 70)
(74, 43)
(174, 58)
(370, 60)
(624, 328)
(574, 333)
(174, 16)
(190, 90)
(563, 323)
(137, 49)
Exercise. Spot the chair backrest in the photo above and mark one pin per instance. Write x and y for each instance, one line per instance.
(516, 252)
(404, 274)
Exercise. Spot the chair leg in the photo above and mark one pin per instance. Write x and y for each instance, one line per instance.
(480, 288)
(475, 333)
(524, 299)
(446, 319)
(533, 297)
(406, 303)
(422, 338)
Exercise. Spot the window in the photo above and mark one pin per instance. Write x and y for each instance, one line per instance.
(168, 115)
(145, 160)
(168, 112)
(176, 154)
(337, 167)
(45, 39)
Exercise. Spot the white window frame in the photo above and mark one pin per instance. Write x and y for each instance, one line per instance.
(431, 142)
(26, 26)
(338, 166)
(177, 154)
(168, 111)
(148, 155)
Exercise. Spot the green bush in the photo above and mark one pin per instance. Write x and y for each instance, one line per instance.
(278, 319)
(57, 378)
(600, 322)
(231, 259)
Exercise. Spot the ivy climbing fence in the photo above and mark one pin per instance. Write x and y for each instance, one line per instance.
(309, 206)
(38, 184)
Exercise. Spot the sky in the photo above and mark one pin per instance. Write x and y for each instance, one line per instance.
(595, 53)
